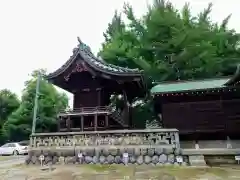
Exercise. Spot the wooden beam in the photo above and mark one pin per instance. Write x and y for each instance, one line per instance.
(106, 121)
(82, 123)
(95, 122)
(84, 113)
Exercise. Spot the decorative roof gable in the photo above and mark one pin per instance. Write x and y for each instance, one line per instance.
(96, 63)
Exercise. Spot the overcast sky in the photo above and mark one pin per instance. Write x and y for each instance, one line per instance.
(42, 33)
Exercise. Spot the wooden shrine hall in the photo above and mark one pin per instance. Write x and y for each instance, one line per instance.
(92, 81)
(202, 109)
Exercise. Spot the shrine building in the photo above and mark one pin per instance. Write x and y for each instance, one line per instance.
(92, 81)
(201, 109)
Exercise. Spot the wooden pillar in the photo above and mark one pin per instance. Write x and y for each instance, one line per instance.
(106, 121)
(59, 123)
(229, 144)
(99, 96)
(177, 142)
(95, 122)
(68, 123)
(82, 123)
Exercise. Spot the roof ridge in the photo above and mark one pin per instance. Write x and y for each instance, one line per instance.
(87, 50)
(192, 80)
(84, 50)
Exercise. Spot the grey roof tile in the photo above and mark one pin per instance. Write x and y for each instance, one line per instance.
(88, 56)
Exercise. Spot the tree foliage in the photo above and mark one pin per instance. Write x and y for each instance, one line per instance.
(9, 102)
(170, 44)
(50, 102)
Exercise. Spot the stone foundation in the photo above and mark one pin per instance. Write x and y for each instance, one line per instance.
(220, 160)
(151, 146)
(106, 156)
(197, 160)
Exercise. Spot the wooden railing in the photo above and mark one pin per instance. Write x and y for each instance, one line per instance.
(92, 110)
(117, 117)
(87, 109)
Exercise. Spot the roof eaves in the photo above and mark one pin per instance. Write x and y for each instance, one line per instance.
(187, 86)
(64, 66)
(85, 52)
(190, 90)
(109, 68)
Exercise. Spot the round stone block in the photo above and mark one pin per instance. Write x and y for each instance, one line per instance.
(118, 159)
(88, 159)
(61, 160)
(132, 159)
(162, 158)
(140, 160)
(171, 158)
(150, 152)
(34, 159)
(155, 159)
(70, 160)
(110, 159)
(102, 159)
(55, 159)
(95, 160)
(48, 159)
(147, 159)
(28, 160)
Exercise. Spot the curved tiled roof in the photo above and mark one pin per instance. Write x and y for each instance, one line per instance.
(96, 63)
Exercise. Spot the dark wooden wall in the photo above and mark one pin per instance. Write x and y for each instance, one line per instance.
(219, 114)
(91, 98)
(86, 99)
(194, 116)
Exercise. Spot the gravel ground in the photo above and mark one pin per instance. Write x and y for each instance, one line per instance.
(11, 160)
(114, 172)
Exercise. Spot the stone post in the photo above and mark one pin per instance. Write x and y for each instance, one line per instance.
(177, 141)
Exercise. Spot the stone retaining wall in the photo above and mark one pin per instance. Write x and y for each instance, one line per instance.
(149, 146)
(106, 156)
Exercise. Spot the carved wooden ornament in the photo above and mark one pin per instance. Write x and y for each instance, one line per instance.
(80, 67)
